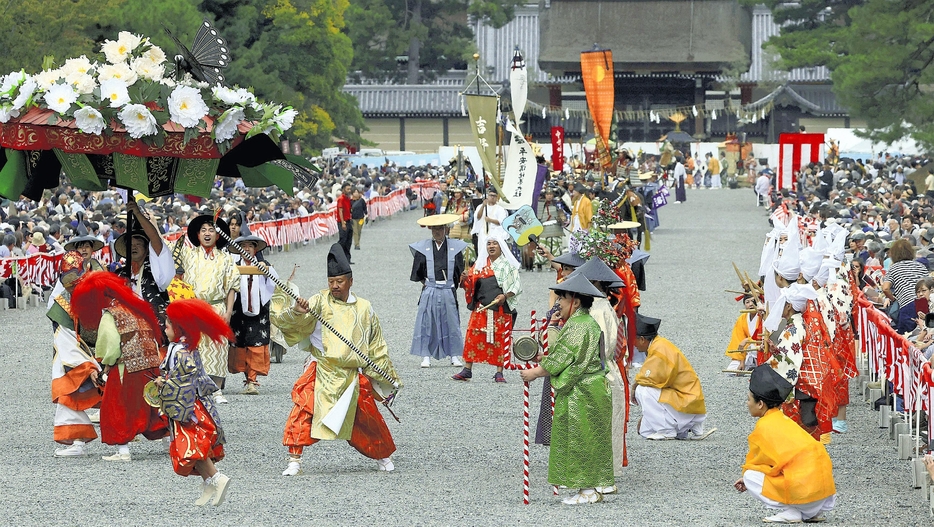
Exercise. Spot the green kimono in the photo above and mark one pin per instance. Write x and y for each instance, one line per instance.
(581, 435)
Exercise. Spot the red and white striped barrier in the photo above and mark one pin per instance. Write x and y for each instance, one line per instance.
(42, 269)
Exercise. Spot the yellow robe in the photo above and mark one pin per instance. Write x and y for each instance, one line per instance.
(337, 364)
(211, 277)
(740, 333)
(668, 369)
(583, 211)
(797, 467)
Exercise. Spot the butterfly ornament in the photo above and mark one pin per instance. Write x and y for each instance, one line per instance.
(206, 58)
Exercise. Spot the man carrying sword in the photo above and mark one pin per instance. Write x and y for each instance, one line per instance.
(335, 397)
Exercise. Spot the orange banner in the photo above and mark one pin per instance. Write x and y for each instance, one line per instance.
(597, 72)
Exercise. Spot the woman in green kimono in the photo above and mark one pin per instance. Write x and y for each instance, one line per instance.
(581, 434)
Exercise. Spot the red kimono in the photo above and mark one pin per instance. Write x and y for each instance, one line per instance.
(817, 377)
(488, 331)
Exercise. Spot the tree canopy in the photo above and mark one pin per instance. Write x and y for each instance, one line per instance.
(880, 53)
(428, 37)
(294, 52)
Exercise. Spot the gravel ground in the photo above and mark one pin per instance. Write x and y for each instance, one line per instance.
(459, 444)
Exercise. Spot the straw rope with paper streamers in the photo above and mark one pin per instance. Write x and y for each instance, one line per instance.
(288, 290)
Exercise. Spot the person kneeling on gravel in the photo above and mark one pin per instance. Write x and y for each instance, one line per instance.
(667, 388)
(785, 467)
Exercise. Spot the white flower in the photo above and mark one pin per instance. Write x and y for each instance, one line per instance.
(186, 107)
(89, 120)
(155, 54)
(76, 67)
(26, 90)
(7, 113)
(147, 69)
(114, 52)
(60, 97)
(129, 40)
(11, 81)
(45, 79)
(83, 84)
(246, 95)
(114, 92)
(285, 119)
(138, 120)
(167, 81)
(227, 95)
(119, 51)
(226, 126)
(231, 96)
(117, 71)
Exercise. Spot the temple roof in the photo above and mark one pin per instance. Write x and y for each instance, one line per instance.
(400, 100)
(646, 36)
(817, 99)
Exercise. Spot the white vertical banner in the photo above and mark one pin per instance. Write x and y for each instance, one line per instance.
(786, 176)
(518, 85)
(519, 176)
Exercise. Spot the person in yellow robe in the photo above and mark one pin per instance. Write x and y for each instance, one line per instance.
(215, 279)
(334, 396)
(785, 467)
(667, 388)
(746, 332)
(582, 212)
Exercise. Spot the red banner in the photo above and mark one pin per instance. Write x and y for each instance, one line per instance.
(795, 151)
(557, 148)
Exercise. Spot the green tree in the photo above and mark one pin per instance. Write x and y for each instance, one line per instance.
(294, 52)
(33, 29)
(377, 40)
(433, 36)
(886, 70)
(881, 57)
(811, 30)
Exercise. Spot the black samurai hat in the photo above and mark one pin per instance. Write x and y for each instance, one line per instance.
(647, 326)
(338, 264)
(768, 385)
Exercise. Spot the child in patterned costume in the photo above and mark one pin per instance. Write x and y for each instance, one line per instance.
(185, 396)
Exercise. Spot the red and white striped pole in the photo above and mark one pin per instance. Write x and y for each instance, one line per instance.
(525, 443)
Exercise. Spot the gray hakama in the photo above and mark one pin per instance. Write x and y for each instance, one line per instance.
(437, 324)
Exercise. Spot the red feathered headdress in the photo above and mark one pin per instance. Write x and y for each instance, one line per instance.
(98, 290)
(193, 317)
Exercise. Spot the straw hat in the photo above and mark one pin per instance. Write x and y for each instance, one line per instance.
(437, 220)
(625, 225)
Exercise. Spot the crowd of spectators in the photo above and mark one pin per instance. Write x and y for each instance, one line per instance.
(888, 206)
(29, 227)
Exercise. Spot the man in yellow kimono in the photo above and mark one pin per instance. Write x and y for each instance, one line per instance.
(334, 397)
(785, 467)
(216, 280)
(667, 388)
(582, 211)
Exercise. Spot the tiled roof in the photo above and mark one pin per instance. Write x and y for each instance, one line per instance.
(817, 99)
(407, 100)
